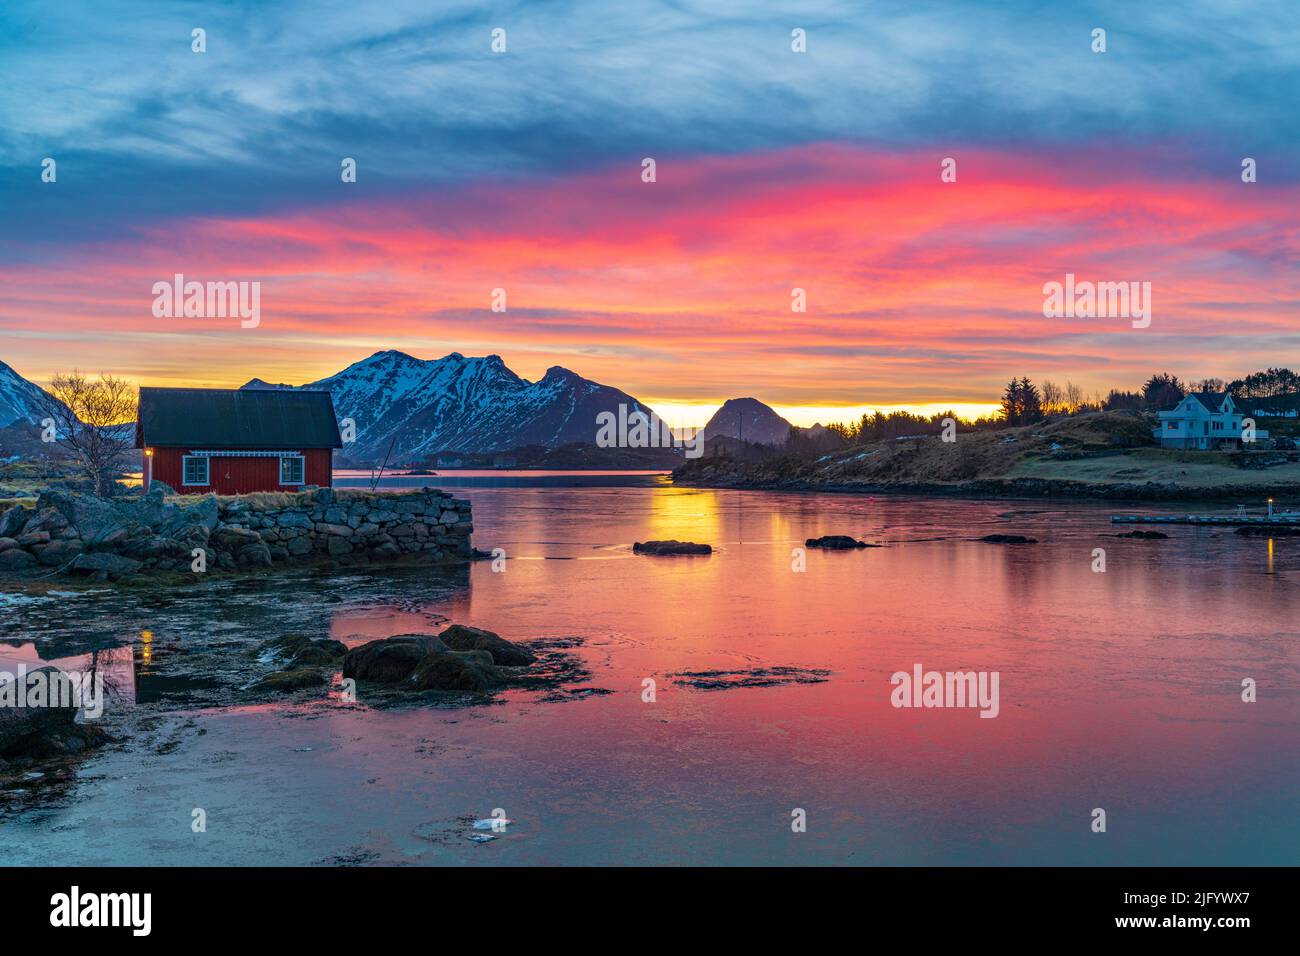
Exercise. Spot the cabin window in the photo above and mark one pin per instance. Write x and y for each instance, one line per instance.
(194, 470)
(291, 471)
(1172, 426)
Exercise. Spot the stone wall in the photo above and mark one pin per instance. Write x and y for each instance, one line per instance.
(81, 534)
(334, 524)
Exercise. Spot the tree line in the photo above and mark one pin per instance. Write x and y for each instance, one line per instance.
(1025, 402)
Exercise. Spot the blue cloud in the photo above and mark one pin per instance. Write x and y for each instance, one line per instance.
(145, 129)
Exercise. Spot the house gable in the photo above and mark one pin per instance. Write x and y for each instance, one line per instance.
(1214, 403)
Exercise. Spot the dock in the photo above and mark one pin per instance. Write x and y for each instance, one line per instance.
(1282, 518)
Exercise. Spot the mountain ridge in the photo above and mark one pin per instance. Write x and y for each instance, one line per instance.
(419, 407)
(21, 400)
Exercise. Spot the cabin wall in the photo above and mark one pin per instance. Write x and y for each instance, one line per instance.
(239, 476)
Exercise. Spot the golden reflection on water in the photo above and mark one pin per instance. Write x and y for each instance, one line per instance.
(685, 515)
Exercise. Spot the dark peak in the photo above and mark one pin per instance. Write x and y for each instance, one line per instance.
(748, 419)
(258, 383)
(559, 372)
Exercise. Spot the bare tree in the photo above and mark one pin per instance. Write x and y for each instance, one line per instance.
(93, 419)
(1053, 398)
(1073, 398)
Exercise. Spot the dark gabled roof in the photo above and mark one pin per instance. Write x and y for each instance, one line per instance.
(1213, 401)
(236, 418)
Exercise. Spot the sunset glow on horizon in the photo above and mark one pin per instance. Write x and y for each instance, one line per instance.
(919, 294)
(471, 177)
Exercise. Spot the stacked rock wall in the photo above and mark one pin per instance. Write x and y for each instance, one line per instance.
(374, 525)
(77, 533)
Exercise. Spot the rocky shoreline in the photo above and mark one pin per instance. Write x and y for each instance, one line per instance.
(110, 539)
(170, 650)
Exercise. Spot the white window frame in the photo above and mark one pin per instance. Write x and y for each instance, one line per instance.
(207, 471)
(302, 464)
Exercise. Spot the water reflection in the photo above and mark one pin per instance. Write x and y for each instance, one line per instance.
(1119, 689)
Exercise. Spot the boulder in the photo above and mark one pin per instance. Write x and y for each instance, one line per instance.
(460, 637)
(46, 519)
(29, 538)
(318, 652)
(670, 547)
(152, 547)
(293, 679)
(255, 555)
(233, 538)
(96, 518)
(60, 552)
(16, 559)
(111, 541)
(192, 536)
(391, 660)
(299, 546)
(462, 671)
(13, 520)
(203, 515)
(7, 543)
(45, 730)
(113, 565)
(837, 542)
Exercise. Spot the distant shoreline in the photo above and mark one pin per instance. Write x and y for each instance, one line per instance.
(1106, 456)
(1018, 489)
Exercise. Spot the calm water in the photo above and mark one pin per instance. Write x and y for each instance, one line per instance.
(1118, 690)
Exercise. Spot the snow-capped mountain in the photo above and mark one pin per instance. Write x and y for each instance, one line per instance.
(456, 403)
(747, 419)
(20, 400)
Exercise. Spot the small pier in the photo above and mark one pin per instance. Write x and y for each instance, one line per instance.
(1281, 517)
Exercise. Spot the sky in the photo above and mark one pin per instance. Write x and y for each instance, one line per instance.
(775, 170)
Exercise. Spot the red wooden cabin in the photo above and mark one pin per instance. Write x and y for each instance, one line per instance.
(236, 441)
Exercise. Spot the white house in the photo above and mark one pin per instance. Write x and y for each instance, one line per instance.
(1202, 420)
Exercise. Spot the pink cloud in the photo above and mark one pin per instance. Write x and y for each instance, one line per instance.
(917, 290)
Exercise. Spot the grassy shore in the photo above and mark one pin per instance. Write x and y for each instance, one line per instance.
(1102, 455)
